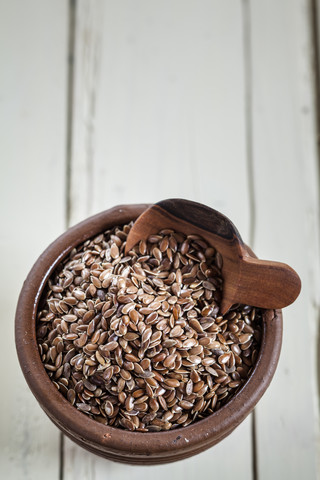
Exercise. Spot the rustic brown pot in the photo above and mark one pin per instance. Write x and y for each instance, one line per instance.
(112, 443)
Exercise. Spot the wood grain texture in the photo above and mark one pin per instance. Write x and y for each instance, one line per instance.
(81, 464)
(287, 227)
(32, 123)
(167, 83)
(247, 279)
(87, 59)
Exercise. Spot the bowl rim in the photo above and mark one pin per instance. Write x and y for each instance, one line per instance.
(83, 428)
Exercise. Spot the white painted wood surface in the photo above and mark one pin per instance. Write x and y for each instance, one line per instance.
(33, 37)
(182, 98)
(287, 227)
(159, 89)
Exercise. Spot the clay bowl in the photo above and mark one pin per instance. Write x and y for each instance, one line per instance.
(114, 443)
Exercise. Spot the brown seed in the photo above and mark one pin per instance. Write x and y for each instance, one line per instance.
(108, 313)
(108, 408)
(70, 336)
(146, 334)
(164, 244)
(134, 316)
(114, 251)
(130, 336)
(88, 316)
(234, 384)
(91, 327)
(199, 405)
(69, 318)
(245, 337)
(218, 260)
(189, 387)
(189, 343)
(111, 346)
(128, 424)
(81, 340)
(185, 404)
(125, 374)
(176, 331)
(157, 254)
(145, 363)
(142, 247)
(154, 405)
(198, 386)
(79, 294)
(84, 407)
(195, 324)
(224, 358)
(208, 285)
(195, 359)
(129, 403)
(172, 382)
(208, 361)
(195, 377)
(162, 402)
(71, 396)
(169, 361)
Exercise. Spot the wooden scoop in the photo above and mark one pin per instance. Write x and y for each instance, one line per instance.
(247, 280)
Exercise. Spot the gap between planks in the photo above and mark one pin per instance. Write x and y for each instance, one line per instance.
(314, 22)
(72, 5)
(70, 101)
(246, 18)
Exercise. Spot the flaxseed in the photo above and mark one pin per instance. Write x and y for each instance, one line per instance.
(137, 341)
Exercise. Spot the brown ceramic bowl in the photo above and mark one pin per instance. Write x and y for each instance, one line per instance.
(113, 443)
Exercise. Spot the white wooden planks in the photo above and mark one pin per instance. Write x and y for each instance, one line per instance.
(88, 38)
(81, 464)
(287, 227)
(159, 105)
(170, 96)
(159, 112)
(33, 56)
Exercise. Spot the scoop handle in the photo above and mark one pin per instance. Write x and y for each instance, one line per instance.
(267, 284)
